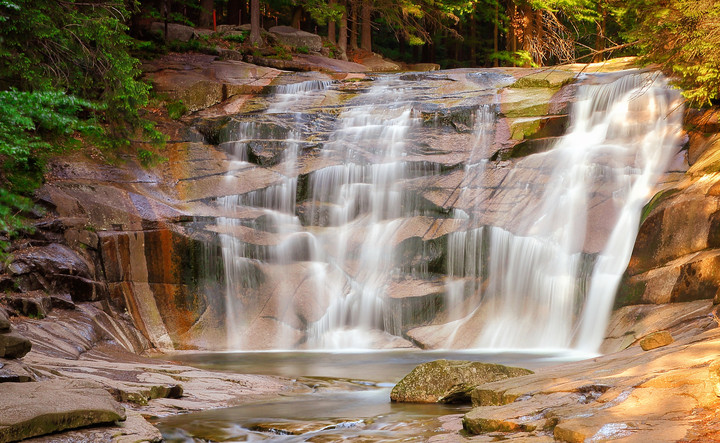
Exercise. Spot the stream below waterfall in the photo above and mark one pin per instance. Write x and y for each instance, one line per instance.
(345, 396)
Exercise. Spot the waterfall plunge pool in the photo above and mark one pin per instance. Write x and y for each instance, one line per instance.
(345, 396)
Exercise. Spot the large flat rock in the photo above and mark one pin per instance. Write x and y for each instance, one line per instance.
(31, 409)
(664, 394)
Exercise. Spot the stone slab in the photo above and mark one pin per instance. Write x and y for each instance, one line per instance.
(32, 409)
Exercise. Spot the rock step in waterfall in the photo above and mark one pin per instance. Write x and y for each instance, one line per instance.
(373, 230)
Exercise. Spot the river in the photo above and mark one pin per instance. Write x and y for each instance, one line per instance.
(344, 396)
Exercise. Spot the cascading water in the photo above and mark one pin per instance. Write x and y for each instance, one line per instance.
(551, 280)
(364, 202)
(532, 259)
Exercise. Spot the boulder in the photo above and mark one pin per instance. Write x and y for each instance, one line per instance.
(175, 31)
(289, 36)
(449, 381)
(376, 63)
(656, 340)
(34, 304)
(51, 259)
(4, 321)
(201, 81)
(32, 409)
(12, 371)
(13, 345)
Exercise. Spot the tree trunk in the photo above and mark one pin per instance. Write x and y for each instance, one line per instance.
(255, 36)
(331, 26)
(526, 29)
(343, 33)
(297, 17)
(206, 10)
(496, 33)
(234, 16)
(473, 38)
(511, 44)
(366, 36)
(353, 24)
(539, 35)
(600, 39)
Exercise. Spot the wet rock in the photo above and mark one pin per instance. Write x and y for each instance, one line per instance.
(289, 36)
(62, 301)
(200, 81)
(81, 289)
(15, 372)
(475, 423)
(32, 409)
(13, 345)
(142, 394)
(34, 304)
(48, 260)
(449, 381)
(656, 340)
(630, 324)
(292, 427)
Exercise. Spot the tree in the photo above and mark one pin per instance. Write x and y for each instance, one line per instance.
(206, 13)
(682, 36)
(366, 29)
(255, 36)
(343, 31)
(66, 78)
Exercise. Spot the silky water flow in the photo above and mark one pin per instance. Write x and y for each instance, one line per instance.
(541, 273)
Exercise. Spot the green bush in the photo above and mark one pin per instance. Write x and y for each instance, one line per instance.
(176, 109)
(67, 79)
(302, 50)
(237, 38)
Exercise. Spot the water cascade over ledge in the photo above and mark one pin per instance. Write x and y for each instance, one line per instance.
(371, 234)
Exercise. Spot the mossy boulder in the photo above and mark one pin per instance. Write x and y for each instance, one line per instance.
(449, 381)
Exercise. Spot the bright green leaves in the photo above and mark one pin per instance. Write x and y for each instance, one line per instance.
(682, 36)
(35, 124)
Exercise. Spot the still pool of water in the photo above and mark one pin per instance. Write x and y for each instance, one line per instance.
(348, 396)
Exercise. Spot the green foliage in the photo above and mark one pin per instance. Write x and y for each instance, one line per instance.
(237, 37)
(176, 109)
(302, 50)
(281, 53)
(33, 126)
(81, 47)
(682, 36)
(518, 58)
(67, 79)
(322, 11)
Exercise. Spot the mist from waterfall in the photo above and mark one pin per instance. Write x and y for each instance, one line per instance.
(531, 262)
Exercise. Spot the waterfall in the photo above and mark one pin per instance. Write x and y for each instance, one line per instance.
(504, 254)
(549, 280)
(366, 203)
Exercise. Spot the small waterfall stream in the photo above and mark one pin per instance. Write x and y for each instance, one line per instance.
(315, 260)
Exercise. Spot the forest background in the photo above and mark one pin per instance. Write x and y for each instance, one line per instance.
(70, 77)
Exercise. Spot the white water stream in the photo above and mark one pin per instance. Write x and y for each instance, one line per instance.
(544, 276)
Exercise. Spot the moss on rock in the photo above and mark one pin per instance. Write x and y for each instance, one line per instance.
(449, 381)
